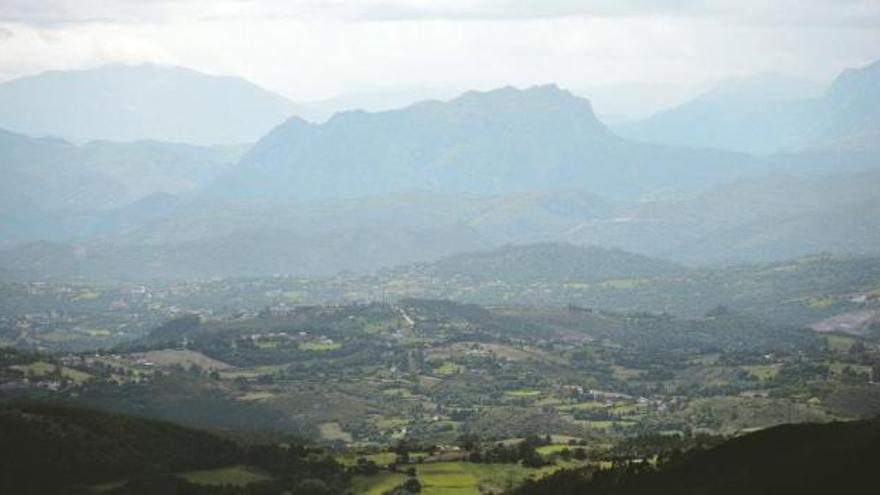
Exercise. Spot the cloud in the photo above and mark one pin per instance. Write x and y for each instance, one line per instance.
(855, 13)
(311, 50)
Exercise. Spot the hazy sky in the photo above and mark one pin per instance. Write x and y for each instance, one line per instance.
(316, 49)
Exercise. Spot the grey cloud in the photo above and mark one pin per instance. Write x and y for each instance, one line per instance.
(852, 13)
(856, 13)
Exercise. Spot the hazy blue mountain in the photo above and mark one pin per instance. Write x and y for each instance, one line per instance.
(85, 225)
(139, 102)
(371, 190)
(49, 174)
(375, 101)
(851, 107)
(211, 239)
(769, 113)
(759, 113)
(624, 102)
(39, 173)
(750, 220)
(495, 142)
(219, 238)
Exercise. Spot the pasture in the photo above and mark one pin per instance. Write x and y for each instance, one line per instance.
(231, 475)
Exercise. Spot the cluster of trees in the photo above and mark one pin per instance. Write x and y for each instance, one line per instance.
(410, 486)
(524, 452)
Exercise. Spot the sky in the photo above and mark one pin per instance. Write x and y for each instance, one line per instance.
(310, 50)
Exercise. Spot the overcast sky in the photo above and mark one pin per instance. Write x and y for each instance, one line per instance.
(315, 49)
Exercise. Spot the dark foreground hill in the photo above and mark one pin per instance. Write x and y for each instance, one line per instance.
(55, 449)
(790, 459)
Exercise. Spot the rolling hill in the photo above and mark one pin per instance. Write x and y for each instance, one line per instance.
(748, 221)
(762, 219)
(546, 262)
(53, 448)
(52, 174)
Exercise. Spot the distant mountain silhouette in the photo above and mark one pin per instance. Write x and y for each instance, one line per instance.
(851, 107)
(502, 141)
(52, 174)
(54, 190)
(137, 102)
(769, 114)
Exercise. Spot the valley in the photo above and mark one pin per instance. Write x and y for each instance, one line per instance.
(442, 386)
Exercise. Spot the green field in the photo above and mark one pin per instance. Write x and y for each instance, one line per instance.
(319, 346)
(762, 371)
(464, 478)
(839, 343)
(821, 302)
(380, 458)
(448, 368)
(232, 475)
(253, 372)
(106, 487)
(553, 448)
(86, 296)
(42, 369)
(332, 431)
(293, 296)
(376, 485)
(97, 332)
(448, 478)
(519, 394)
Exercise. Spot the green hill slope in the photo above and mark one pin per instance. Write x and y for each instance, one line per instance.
(790, 459)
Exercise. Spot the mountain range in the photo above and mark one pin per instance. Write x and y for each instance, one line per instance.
(120, 102)
(366, 190)
(771, 113)
(53, 174)
(760, 219)
(496, 142)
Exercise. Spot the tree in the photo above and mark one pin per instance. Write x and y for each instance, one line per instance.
(412, 485)
(718, 311)
(313, 486)
(565, 454)
(468, 441)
